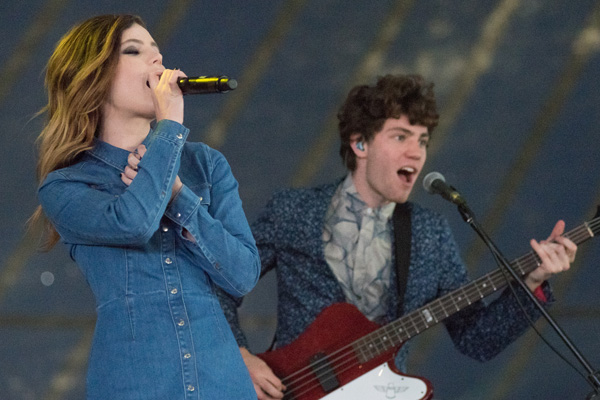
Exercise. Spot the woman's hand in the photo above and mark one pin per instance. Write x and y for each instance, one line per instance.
(168, 98)
(131, 170)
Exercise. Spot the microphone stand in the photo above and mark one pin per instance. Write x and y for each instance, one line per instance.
(592, 377)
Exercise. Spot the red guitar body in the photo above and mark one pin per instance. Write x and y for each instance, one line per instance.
(331, 335)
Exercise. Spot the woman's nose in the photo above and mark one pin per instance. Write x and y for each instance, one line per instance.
(157, 58)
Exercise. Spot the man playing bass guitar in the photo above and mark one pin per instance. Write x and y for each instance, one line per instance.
(340, 243)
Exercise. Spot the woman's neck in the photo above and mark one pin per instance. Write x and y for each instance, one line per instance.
(125, 133)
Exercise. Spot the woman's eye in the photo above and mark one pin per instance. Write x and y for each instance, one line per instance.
(131, 51)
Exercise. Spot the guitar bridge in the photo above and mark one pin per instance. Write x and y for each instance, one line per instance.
(325, 373)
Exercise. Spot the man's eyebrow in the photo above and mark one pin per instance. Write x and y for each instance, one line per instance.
(408, 131)
(401, 129)
(139, 42)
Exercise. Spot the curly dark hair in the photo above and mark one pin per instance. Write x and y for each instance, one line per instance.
(368, 107)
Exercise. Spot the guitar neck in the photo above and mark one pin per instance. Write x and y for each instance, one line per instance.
(404, 328)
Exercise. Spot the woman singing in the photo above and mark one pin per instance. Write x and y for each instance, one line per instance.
(154, 223)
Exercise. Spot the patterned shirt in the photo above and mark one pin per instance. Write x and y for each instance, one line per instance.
(358, 248)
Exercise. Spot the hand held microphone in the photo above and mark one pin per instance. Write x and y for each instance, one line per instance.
(206, 84)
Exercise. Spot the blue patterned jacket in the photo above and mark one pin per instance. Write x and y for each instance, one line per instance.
(288, 235)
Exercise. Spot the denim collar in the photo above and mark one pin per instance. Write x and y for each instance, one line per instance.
(111, 155)
(114, 156)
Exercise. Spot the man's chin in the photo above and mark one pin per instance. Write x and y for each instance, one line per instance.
(400, 199)
(402, 196)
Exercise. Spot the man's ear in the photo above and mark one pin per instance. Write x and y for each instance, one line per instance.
(358, 145)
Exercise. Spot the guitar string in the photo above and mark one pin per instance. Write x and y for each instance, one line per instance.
(529, 260)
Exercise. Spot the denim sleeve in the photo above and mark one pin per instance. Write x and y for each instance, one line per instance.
(230, 305)
(84, 215)
(262, 230)
(220, 230)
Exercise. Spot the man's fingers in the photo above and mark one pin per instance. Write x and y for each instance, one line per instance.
(274, 390)
(558, 230)
(554, 256)
(276, 382)
(569, 246)
(260, 394)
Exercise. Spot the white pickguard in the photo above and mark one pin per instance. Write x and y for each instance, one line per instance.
(381, 383)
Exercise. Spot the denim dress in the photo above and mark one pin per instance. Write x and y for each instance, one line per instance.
(160, 331)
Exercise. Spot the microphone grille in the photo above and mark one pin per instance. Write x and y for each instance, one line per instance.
(232, 83)
(430, 178)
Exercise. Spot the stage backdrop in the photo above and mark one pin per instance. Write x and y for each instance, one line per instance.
(519, 93)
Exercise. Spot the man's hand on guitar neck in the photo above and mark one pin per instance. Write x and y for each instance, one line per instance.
(556, 253)
(267, 385)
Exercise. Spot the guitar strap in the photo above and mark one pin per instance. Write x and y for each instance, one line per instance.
(402, 242)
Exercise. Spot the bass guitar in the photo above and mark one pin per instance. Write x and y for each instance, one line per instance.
(343, 355)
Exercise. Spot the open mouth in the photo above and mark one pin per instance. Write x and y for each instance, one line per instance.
(407, 173)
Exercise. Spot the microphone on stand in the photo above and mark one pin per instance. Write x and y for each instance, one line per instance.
(206, 84)
(435, 183)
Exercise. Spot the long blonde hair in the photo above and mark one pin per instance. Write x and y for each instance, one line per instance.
(78, 80)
